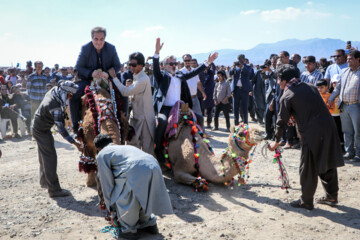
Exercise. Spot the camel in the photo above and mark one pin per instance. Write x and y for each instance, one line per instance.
(182, 159)
(107, 126)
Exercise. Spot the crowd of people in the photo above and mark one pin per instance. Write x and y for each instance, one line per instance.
(270, 93)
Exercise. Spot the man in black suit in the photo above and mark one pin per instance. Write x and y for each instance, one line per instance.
(241, 88)
(93, 56)
(172, 87)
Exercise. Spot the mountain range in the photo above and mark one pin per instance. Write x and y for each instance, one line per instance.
(315, 46)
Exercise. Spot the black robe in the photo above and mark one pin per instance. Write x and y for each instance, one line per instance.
(315, 125)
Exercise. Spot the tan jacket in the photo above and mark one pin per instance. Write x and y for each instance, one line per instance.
(143, 111)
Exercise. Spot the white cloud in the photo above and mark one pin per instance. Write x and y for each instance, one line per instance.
(291, 14)
(309, 3)
(130, 34)
(154, 28)
(249, 12)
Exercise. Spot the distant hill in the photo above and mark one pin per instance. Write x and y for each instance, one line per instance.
(316, 47)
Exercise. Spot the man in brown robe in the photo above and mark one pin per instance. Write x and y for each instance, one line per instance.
(320, 145)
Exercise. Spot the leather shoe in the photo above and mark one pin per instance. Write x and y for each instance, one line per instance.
(151, 229)
(17, 135)
(299, 204)
(348, 156)
(215, 129)
(60, 193)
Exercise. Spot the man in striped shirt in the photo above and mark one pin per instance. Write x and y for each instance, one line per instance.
(36, 87)
(312, 75)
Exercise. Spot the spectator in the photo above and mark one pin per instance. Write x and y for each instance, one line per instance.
(241, 89)
(7, 107)
(36, 87)
(22, 102)
(296, 58)
(209, 84)
(348, 90)
(2, 79)
(222, 93)
(29, 68)
(339, 65)
(312, 75)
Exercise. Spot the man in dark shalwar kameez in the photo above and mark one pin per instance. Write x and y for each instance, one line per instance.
(133, 187)
(320, 145)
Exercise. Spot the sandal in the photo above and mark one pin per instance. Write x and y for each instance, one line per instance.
(300, 204)
(327, 201)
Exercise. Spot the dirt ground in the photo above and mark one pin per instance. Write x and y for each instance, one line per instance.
(259, 210)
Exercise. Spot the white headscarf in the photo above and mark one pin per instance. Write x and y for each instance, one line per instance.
(61, 91)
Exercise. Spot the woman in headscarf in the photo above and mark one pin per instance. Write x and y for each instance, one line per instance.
(52, 110)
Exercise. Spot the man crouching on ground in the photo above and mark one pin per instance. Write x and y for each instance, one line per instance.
(133, 187)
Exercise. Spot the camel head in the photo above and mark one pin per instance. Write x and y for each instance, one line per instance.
(246, 134)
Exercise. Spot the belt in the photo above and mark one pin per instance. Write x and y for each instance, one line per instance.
(193, 96)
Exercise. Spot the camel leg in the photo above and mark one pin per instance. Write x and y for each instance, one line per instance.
(90, 181)
(184, 177)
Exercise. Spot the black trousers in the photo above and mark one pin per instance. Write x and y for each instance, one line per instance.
(251, 107)
(309, 178)
(270, 120)
(225, 108)
(338, 127)
(47, 159)
(209, 115)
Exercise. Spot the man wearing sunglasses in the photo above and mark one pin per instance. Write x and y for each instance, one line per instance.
(172, 87)
(339, 65)
(95, 55)
(143, 117)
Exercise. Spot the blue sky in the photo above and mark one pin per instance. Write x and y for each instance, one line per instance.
(54, 31)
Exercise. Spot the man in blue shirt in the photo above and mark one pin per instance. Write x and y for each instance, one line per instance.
(339, 65)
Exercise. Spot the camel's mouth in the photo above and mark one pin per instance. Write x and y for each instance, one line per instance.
(251, 136)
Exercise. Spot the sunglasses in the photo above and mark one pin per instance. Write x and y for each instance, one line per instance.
(187, 60)
(132, 64)
(172, 63)
(336, 56)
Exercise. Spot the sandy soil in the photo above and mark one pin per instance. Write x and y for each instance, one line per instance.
(259, 210)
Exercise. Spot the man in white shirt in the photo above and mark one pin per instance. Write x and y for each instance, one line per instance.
(172, 87)
(194, 84)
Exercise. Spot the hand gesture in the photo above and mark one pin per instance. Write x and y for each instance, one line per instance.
(212, 57)
(158, 46)
(250, 94)
(104, 75)
(329, 103)
(95, 74)
(112, 73)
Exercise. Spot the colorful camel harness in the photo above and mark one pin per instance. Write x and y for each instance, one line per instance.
(101, 109)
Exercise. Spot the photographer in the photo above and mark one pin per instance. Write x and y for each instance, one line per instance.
(241, 88)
